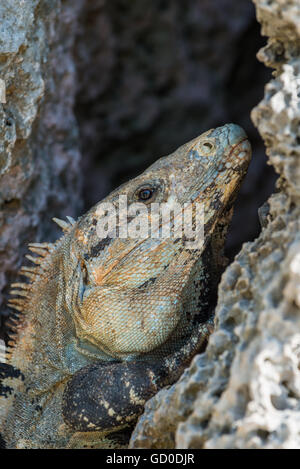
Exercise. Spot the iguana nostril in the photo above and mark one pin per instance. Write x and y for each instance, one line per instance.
(207, 147)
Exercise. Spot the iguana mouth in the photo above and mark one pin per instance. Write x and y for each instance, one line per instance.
(242, 150)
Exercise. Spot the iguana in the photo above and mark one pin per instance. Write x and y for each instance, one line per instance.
(103, 324)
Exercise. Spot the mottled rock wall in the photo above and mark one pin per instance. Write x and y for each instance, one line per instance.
(244, 391)
(39, 156)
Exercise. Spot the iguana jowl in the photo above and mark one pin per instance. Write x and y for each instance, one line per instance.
(104, 324)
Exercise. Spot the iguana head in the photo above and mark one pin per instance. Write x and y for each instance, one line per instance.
(208, 170)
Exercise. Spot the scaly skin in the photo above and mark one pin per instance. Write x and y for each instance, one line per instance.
(106, 323)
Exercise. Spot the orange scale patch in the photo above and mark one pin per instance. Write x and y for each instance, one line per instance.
(81, 236)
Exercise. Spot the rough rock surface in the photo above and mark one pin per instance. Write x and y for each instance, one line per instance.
(39, 156)
(244, 391)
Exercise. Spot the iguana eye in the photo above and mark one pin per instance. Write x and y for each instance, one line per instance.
(145, 193)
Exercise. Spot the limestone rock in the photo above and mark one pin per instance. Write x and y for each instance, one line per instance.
(244, 391)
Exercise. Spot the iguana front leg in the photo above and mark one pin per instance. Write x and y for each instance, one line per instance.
(108, 396)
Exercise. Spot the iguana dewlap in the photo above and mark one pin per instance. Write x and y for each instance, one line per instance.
(104, 323)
